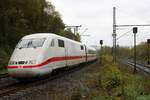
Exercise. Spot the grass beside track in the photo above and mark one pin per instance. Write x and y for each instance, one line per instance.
(117, 82)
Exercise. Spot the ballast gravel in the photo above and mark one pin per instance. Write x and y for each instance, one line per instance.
(76, 84)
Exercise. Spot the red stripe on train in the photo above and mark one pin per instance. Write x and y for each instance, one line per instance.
(54, 59)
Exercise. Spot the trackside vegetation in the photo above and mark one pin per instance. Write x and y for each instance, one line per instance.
(115, 82)
(128, 52)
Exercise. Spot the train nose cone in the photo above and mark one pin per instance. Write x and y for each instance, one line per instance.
(22, 73)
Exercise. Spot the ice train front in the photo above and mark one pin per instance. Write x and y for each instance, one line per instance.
(28, 57)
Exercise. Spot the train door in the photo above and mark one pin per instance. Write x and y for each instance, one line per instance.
(66, 52)
(51, 51)
(60, 54)
(86, 53)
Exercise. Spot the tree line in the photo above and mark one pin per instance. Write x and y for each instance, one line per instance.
(142, 52)
(22, 17)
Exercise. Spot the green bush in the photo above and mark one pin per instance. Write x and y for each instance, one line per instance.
(117, 83)
(110, 77)
(4, 57)
(102, 98)
(107, 59)
(134, 88)
(143, 97)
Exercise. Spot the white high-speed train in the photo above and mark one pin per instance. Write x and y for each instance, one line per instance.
(39, 54)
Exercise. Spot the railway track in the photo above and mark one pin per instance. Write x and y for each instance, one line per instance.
(144, 68)
(18, 86)
(4, 75)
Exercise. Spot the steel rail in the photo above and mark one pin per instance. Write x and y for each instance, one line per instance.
(142, 67)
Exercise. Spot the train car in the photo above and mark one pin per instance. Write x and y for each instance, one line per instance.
(91, 54)
(39, 54)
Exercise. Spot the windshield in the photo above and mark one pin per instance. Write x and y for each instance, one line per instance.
(31, 43)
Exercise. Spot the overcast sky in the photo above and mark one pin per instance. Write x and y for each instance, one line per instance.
(96, 15)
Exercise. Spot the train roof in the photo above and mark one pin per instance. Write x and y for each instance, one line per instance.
(91, 48)
(51, 35)
(38, 35)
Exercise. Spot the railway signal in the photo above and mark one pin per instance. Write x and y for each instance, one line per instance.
(148, 51)
(101, 43)
(135, 30)
(115, 26)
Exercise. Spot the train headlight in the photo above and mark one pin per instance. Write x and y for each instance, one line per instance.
(11, 62)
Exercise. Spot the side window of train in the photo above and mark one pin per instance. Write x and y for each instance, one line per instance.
(82, 48)
(52, 43)
(61, 43)
(91, 52)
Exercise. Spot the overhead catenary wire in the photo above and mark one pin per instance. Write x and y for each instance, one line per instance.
(124, 34)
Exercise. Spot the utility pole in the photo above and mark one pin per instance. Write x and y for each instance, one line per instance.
(101, 43)
(114, 34)
(76, 28)
(134, 32)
